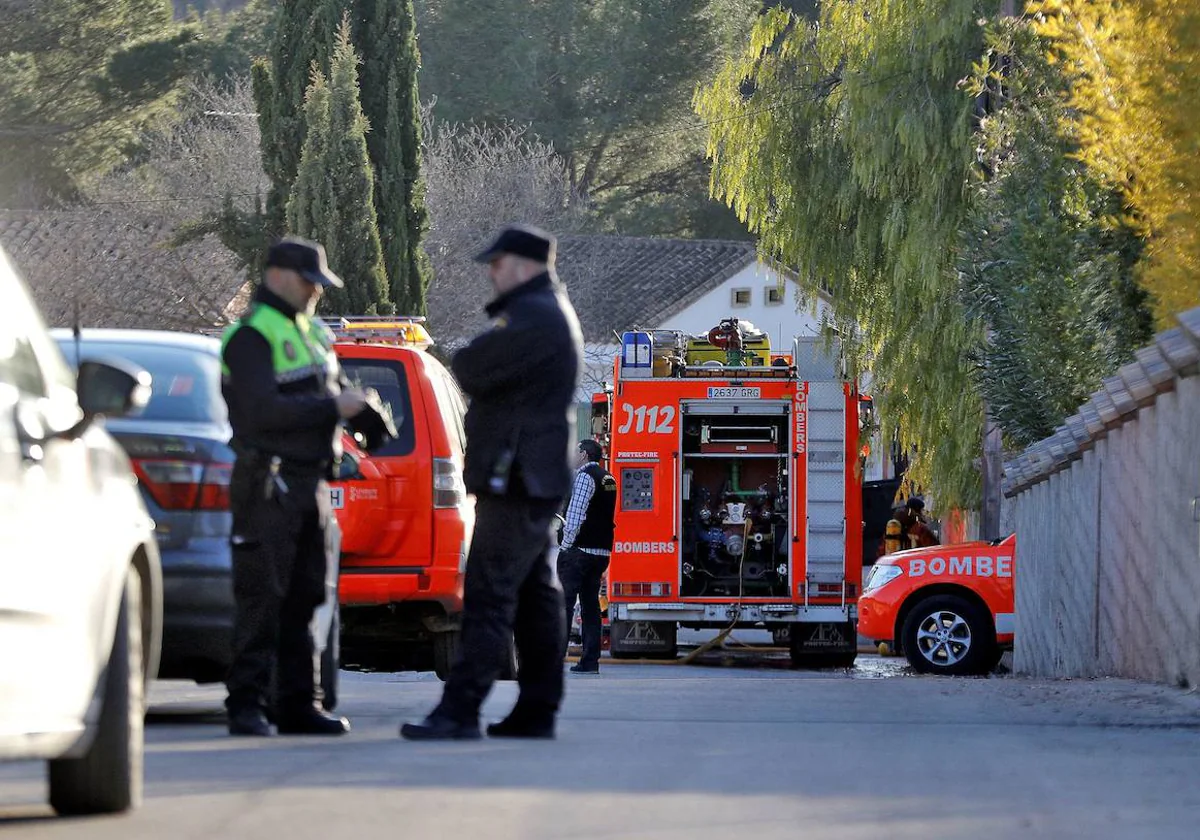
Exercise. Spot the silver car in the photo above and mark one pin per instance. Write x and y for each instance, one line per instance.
(80, 576)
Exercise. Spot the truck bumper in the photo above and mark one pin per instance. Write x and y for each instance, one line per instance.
(361, 587)
(723, 614)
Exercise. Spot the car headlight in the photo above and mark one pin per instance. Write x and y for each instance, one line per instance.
(880, 575)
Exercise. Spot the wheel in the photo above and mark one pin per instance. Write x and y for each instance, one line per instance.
(946, 634)
(107, 778)
(331, 661)
(445, 651)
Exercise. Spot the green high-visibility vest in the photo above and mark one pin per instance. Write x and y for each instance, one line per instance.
(300, 348)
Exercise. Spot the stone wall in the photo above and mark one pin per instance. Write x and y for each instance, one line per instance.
(1107, 516)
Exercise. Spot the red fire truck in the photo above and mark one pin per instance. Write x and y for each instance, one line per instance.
(739, 493)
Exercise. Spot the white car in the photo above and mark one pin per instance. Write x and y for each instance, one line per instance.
(80, 580)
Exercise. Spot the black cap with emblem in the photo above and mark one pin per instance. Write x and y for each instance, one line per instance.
(522, 241)
(305, 258)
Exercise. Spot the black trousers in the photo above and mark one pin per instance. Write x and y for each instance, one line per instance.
(510, 591)
(580, 575)
(279, 566)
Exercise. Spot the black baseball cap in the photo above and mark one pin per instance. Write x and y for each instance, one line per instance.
(522, 241)
(305, 258)
(916, 503)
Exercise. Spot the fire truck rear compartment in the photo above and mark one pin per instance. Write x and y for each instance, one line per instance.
(735, 525)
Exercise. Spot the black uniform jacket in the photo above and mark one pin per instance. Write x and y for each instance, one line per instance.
(521, 376)
(298, 421)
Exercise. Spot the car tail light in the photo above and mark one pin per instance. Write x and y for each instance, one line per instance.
(185, 485)
(448, 488)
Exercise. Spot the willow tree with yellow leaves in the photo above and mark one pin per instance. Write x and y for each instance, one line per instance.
(1133, 68)
(896, 153)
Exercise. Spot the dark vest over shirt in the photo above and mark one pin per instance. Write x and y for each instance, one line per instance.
(598, 528)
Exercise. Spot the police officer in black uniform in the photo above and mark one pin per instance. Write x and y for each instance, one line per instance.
(587, 544)
(521, 376)
(286, 397)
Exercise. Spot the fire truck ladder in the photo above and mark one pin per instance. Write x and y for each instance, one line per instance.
(825, 538)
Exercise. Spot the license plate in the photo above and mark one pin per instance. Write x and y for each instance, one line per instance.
(337, 497)
(719, 393)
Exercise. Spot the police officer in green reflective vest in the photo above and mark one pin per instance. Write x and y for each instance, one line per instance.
(286, 396)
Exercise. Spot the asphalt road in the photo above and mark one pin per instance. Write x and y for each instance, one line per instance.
(661, 751)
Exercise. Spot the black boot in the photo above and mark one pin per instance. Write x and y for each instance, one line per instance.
(249, 721)
(311, 721)
(440, 728)
(525, 721)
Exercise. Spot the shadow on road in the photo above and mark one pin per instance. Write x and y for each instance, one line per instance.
(173, 714)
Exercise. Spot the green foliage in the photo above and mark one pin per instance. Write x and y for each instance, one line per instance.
(390, 101)
(241, 231)
(1132, 67)
(78, 81)
(279, 89)
(384, 30)
(233, 39)
(1048, 263)
(607, 83)
(846, 147)
(332, 196)
(910, 157)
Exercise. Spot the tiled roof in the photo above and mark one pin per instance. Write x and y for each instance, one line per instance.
(118, 270)
(618, 282)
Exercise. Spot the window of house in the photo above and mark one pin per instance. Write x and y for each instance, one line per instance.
(741, 297)
(774, 295)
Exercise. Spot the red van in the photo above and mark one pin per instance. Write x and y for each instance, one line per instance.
(405, 515)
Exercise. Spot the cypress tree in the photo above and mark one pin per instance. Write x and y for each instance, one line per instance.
(331, 199)
(312, 193)
(280, 84)
(386, 35)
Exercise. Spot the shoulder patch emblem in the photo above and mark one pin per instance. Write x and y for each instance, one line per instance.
(289, 350)
(500, 323)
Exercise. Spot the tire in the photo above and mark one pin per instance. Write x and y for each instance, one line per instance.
(331, 661)
(946, 634)
(107, 779)
(445, 651)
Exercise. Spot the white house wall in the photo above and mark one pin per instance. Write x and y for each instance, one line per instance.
(780, 319)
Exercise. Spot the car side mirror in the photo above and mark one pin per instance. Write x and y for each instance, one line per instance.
(112, 388)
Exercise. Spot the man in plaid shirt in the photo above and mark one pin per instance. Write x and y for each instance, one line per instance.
(587, 543)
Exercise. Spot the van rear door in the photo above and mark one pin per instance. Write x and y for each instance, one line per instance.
(385, 513)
